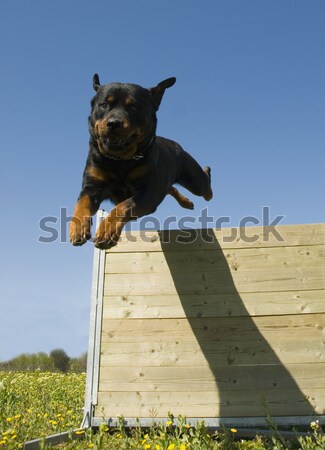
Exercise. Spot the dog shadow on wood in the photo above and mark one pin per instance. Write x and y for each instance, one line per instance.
(243, 354)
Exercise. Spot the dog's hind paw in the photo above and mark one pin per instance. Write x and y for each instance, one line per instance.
(208, 194)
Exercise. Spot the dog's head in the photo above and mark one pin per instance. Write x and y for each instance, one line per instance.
(123, 116)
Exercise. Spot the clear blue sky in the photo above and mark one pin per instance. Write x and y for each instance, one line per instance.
(249, 101)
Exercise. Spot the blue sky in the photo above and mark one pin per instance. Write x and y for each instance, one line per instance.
(249, 101)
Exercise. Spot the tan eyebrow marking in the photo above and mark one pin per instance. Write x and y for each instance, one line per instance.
(129, 101)
(111, 99)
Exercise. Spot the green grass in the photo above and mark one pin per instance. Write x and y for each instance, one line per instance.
(38, 404)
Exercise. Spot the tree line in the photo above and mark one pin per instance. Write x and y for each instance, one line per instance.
(56, 361)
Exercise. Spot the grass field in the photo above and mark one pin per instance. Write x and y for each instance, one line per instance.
(38, 404)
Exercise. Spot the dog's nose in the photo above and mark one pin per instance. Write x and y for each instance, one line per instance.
(114, 124)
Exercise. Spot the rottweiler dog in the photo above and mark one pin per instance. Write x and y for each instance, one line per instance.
(128, 164)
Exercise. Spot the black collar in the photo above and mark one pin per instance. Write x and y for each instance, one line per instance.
(137, 156)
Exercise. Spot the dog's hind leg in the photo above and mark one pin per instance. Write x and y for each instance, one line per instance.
(182, 200)
(194, 178)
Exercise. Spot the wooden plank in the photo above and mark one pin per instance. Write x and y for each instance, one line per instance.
(203, 378)
(215, 260)
(290, 235)
(237, 329)
(223, 353)
(291, 279)
(209, 403)
(217, 305)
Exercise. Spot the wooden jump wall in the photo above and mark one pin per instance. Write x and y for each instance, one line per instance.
(211, 324)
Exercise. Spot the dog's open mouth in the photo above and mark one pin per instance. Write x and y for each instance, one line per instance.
(113, 142)
(116, 144)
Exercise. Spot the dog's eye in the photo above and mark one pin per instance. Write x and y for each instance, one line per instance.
(104, 105)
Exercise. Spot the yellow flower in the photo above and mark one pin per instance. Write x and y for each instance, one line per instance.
(146, 446)
(80, 431)
(14, 436)
(171, 446)
(2, 442)
(91, 445)
(168, 423)
(187, 425)
(233, 430)
(182, 447)
(104, 427)
(146, 436)
(9, 419)
(314, 425)
(158, 447)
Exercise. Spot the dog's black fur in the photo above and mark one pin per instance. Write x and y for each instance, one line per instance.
(128, 164)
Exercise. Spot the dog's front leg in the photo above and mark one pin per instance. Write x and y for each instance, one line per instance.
(111, 227)
(80, 226)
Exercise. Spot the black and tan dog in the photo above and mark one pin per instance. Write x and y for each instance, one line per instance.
(128, 164)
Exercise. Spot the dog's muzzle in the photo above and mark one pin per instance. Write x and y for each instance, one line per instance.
(114, 134)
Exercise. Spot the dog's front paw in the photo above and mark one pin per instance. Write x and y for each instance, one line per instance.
(80, 230)
(108, 234)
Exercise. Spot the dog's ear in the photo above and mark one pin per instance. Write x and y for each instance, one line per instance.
(96, 82)
(157, 92)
